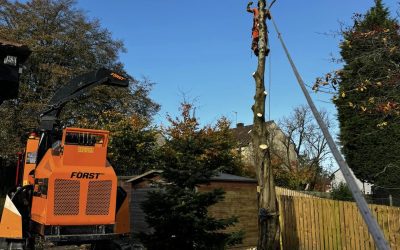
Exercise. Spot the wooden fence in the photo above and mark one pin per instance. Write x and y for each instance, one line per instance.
(315, 223)
(289, 192)
(309, 222)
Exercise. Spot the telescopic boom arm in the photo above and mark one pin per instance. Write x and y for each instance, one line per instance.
(75, 88)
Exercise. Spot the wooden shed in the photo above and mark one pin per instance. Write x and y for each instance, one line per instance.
(240, 200)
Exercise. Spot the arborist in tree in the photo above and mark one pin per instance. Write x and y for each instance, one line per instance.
(255, 34)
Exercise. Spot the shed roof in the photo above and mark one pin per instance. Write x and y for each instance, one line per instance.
(219, 177)
(147, 174)
(232, 178)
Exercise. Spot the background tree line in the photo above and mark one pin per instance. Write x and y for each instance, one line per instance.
(65, 43)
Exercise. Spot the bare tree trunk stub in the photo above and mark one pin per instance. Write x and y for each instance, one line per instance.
(268, 222)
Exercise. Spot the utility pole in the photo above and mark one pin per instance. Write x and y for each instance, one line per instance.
(268, 212)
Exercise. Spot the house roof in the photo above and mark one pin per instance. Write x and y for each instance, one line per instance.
(219, 177)
(243, 133)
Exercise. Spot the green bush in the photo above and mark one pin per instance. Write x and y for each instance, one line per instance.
(341, 192)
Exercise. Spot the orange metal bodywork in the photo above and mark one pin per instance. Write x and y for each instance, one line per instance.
(11, 221)
(74, 183)
(30, 160)
(122, 224)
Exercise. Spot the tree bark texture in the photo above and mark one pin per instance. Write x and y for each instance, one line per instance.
(268, 217)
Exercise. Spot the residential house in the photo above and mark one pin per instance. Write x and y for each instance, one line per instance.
(282, 150)
(338, 177)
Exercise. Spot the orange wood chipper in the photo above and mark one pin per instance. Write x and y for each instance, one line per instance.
(66, 191)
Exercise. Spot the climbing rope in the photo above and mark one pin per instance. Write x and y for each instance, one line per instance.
(362, 205)
(269, 84)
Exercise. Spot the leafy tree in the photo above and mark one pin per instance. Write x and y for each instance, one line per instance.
(177, 211)
(367, 96)
(65, 43)
(133, 148)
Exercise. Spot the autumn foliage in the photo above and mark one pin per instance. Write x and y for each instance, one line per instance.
(177, 211)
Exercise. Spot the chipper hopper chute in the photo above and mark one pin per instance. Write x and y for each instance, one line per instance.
(11, 221)
(11, 228)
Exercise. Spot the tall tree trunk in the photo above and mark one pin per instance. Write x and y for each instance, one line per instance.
(268, 217)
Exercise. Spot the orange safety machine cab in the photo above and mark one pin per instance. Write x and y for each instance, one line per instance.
(66, 189)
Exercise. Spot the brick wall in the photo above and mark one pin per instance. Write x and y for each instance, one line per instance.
(241, 201)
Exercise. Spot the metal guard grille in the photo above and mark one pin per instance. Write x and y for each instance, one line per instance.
(66, 197)
(99, 197)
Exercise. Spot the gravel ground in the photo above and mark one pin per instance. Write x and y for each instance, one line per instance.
(82, 247)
